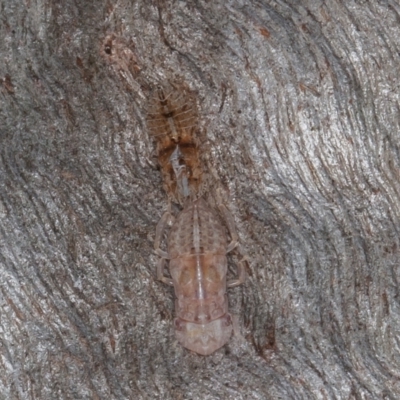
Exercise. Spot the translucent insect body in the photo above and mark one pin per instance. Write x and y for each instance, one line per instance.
(197, 242)
(197, 247)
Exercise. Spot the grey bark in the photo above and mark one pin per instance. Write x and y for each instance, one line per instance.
(299, 104)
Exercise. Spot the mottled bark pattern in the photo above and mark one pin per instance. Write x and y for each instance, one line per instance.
(300, 104)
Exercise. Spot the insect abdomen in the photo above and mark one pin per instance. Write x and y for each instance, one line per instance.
(197, 226)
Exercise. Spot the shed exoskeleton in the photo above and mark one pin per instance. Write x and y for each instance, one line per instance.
(197, 248)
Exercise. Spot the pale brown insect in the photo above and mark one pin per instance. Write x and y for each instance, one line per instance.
(197, 248)
(172, 121)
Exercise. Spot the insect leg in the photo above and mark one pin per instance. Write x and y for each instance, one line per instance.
(231, 227)
(160, 272)
(241, 273)
(233, 244)
(166, 219)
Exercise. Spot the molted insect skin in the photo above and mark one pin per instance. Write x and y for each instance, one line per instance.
(173, 123)
(197, 243)
(197, 246)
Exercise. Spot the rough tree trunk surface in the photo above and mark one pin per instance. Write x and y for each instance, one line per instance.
(299, 106)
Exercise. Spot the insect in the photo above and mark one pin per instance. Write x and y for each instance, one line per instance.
(172, 121)
(197, 248)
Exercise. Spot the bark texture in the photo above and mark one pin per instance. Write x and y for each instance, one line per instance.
(299, 106)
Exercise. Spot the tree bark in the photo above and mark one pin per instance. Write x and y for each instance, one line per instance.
(298, 103)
